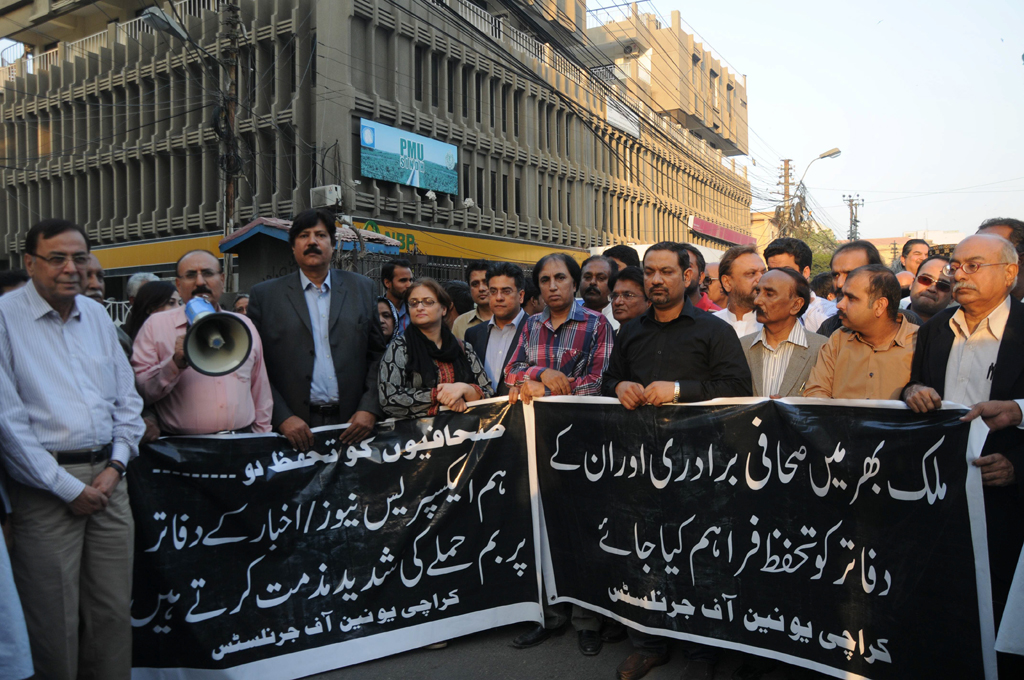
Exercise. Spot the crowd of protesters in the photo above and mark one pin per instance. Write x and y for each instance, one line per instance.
(78, 394)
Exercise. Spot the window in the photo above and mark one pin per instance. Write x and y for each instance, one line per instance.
(494, 190)
(451, 86)
(504, 194)
(479, 95)
(480, 187)
(493, 92)
(435, 77)
(504, 108)
(714, 90)
(515, 113)
(465, 180)
(417, 69)
(517, 204)
(465, 92)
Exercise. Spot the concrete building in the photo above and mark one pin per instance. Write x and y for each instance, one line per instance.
(119, 128)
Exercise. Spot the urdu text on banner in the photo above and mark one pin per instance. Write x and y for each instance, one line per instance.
(252, 560)
(834, 538)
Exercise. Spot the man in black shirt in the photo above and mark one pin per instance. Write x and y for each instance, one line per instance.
(674, 346)
(673, 353)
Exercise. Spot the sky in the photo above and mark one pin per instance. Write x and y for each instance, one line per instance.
(920, 96)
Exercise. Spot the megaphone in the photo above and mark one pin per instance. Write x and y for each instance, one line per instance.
(216, 343)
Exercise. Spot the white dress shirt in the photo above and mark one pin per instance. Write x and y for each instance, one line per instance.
(776, 359)
(499, 344)
(819, 310)
(972, 359)
(64, 386)
(745, 326)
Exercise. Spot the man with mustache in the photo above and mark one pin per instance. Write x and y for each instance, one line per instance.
(972, 355)
(675, 353)
(599, 274)
(872, 361)
(322, 332)
(782, 353)
(698, 266)
(94, 286)
(739, 270)
(185, 400)
(932, 290)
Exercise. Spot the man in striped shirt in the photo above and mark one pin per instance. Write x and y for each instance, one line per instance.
(69, 423)
(563, 350)
(781, 354)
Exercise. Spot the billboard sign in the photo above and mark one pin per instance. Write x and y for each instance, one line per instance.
(402, 157)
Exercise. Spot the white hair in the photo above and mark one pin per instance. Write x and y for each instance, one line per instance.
(137, 281)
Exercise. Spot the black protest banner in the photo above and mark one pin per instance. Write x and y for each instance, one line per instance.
(831, 537)
(261, 562)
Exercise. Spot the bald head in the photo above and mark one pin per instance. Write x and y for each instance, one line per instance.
(994, 261)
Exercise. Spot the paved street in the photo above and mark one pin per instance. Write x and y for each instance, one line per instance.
(488, 655)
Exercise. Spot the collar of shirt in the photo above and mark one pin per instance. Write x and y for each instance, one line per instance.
(514, 323)
(306, 283)
(904, 336)
(687, 311)
(575, 314)
(994, 323)
(797, 336)
(41, 307)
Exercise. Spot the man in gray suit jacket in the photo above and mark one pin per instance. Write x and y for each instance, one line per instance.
(781, 354)
(322, 343)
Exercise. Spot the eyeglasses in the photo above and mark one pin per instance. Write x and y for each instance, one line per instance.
(970, 267)
(58, 260)
(927, 282)
(192, 274)
(627, 296)
(426, 304)
(708, 280)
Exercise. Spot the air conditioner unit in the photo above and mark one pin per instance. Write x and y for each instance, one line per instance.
(325, 196)
(631, 48)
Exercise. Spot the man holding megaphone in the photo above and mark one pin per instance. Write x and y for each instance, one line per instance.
(200, 367)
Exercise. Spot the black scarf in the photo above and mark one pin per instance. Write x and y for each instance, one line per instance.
(422, 352)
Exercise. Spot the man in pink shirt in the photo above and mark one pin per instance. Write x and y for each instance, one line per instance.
(186, 401)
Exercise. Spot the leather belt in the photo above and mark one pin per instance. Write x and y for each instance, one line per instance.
(83, 456)
(325, 409)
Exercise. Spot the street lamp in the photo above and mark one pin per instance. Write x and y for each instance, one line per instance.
(831, 153)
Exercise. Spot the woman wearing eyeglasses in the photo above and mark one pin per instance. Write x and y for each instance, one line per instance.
(427, 367)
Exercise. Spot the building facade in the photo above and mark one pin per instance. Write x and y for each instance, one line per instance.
(123, 129)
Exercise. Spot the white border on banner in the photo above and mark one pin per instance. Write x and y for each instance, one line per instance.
(975, 507)
(351, 652)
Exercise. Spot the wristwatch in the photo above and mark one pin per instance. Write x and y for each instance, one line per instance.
(122, 470)
(675, 399)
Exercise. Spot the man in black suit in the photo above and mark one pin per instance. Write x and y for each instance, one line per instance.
(496, 340)
(322, 342)
(973, 354)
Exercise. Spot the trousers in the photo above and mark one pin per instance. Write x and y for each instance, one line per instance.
(74, 575)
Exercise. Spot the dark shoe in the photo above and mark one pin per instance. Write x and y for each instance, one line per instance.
(537, 635)
(698, 669)
(613, 632)
(590, 642)
(638, 664)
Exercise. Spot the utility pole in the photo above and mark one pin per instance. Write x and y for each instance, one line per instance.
(785, 179)
(894, 252)
(854, 202)
(229, 160)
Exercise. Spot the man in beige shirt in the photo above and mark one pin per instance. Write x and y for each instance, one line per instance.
(872, 360)
(476, 277)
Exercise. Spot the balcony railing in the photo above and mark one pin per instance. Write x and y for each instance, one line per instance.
(127, 32)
